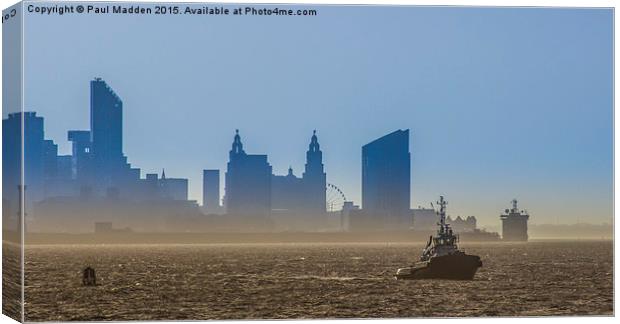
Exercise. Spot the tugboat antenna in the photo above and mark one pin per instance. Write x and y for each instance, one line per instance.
(442, 211)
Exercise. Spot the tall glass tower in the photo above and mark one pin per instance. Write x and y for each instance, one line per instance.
(386, 178)
(106, 124)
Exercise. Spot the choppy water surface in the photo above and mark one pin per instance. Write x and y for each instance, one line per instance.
(146, 282)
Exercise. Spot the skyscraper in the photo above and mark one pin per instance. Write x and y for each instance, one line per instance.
(106, 125)
(42, 171)
(81, 157)
(33, 155)
(95, 178)
(386, 184)
(50, 160)
(11, 158)
(11, 174)
(211, 190)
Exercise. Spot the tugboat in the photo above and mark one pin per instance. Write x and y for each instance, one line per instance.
(441, 258)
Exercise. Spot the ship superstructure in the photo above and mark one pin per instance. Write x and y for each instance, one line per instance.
(445, 242)
(514, 223)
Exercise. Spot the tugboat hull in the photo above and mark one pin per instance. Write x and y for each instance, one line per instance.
(459, 266)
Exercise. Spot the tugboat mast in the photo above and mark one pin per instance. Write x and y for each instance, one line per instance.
(442, 215)
(445, 239)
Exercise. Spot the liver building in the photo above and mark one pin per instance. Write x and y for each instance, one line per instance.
(291, 202)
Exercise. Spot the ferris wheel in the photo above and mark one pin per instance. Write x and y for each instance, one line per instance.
(334, 198)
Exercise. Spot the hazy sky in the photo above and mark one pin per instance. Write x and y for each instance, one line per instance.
(501, 103)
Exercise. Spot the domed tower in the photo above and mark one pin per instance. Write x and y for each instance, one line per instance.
(237, 146)
(314, 178)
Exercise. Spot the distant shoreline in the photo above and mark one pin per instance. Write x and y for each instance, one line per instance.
(257, 238)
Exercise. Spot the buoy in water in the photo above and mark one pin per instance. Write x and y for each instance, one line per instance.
(89, 278)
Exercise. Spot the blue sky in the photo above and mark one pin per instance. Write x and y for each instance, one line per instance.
(502, 103)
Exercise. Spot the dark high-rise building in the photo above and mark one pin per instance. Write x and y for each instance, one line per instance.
(34, 156)
(45, 173)
(95, 177)
(42, 171)
(211, 190)
(386, 184)
(248, 183)
(64, 163)
(11, 162)
(50, 160)
(108, 165)
(106, 133)
(81, 157)
(57, 179)
(11, 155)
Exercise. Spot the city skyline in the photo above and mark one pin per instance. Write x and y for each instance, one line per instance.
(483, 131)
(96, 182)
(204, 161)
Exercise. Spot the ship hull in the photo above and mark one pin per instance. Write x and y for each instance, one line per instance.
(458, 266)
